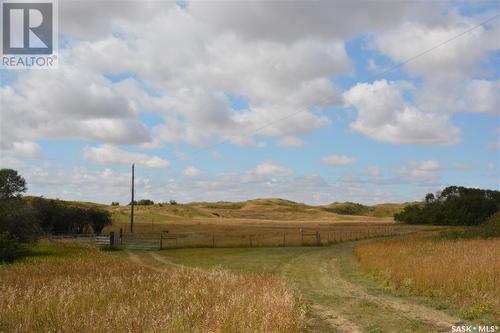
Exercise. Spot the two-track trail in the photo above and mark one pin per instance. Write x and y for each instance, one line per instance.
(337, 299)
(339, 303)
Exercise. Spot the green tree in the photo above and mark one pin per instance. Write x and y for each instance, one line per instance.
(12, 185)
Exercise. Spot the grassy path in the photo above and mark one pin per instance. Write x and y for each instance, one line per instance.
(338, 299)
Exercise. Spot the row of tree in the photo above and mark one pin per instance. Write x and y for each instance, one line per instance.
(25, 220)
(455, 205)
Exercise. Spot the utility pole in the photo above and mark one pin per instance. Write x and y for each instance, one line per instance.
(132, 205)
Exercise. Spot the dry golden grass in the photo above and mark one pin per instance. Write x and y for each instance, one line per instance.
(97, 292)
(463, 272)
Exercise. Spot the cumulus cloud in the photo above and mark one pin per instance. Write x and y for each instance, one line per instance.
(68, 103)
(338, 160)
(191, 171)
(107, 155)
(384, 115)
(426, 171)
(454, 60)
(448, 72)
(27, 149)
(266, 170)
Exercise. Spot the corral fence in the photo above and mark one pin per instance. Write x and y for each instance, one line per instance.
(293, 237)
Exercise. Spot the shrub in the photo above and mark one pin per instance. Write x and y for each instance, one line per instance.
(348, 208)
(98, 219)
(18, 219)
(10, 249)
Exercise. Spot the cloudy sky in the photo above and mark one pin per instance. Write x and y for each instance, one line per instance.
(237, 100)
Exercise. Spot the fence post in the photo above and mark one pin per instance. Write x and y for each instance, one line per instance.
(111, 238)
(121, 236)
(318, 239)
(161, 240)
(213, 240)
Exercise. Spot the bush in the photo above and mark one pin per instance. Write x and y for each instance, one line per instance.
(98, 219)
(19, 220)
(348, 208)
(173, 202)
(453, 206)
(488, 229)
(145, 202)
(114, 203)
(10, 249)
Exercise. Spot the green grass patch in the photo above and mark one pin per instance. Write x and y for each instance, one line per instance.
(489, 229)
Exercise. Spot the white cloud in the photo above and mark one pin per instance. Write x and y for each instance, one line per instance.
(107, 154)
(27, 149)
(374, 171)
(384, 115)
(68, 103)
(425, 171)
(266, 170)
(455, 59)
(290, 141)
(338, 160)
(191, 171)
(302, 19)
(459, 96)
(448, 71)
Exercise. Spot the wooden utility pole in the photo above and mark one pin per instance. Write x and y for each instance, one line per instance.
(132, 205)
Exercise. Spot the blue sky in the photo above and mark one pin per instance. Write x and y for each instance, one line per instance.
(195, 96)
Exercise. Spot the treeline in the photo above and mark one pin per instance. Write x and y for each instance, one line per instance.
(455, 205)
(24, 221)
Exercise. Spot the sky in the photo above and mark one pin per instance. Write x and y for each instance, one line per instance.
(309, 101)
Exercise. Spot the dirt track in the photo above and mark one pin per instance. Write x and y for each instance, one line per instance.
(337, 300)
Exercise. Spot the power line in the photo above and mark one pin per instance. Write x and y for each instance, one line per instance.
(278, 120)
(437, 46)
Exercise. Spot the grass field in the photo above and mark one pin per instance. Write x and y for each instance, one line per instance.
(257, 210)
(327, 279)
(70, 288)
(260, 288)
(462, 272)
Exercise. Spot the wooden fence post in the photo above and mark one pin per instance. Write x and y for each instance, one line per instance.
(111, 238)
(121, 236)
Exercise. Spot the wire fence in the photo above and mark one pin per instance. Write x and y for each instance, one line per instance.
(294, 237)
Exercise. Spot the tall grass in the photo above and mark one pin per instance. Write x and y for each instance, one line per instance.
(465, 273)
(97, 292)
